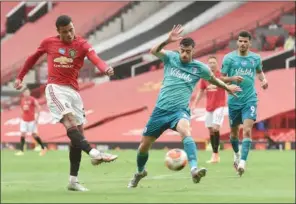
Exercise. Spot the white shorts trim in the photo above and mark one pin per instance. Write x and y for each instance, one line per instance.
(215, 117)
(28, 127)
(62, 100)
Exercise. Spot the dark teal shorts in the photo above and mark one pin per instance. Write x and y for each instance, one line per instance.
(161, 120)
(237, 115)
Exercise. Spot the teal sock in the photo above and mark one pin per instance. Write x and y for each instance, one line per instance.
(234, 142)
(191, 151)
(141, 160)
(246, 146)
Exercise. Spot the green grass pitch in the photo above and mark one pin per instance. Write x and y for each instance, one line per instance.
(269, 178)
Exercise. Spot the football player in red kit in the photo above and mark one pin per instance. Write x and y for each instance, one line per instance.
(29, 107)
(214, 109)
(65, 57)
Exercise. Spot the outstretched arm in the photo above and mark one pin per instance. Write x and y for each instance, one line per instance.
(227, 79)
(231, 89)
(29, 63)
(97, 61)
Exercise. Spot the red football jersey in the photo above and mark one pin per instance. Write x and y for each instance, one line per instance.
(64, 60)
(28, 108)
(215, 96)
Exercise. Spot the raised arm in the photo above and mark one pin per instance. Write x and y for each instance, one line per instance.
(174, 35)
(29, 63)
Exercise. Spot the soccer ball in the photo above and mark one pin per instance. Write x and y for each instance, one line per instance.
(176, 159)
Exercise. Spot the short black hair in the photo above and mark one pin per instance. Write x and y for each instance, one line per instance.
(245, 34)
(63, 20)
(187, 42)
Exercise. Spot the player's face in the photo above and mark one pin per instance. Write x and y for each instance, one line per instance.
(27, 93)
(243, 43)
(186, 53)
(67, 33)
(213, 64)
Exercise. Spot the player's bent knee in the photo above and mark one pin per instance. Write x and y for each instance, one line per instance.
(247, 132)
(69, 121)
(146, 144)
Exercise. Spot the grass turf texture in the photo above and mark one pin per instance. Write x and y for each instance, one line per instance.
(270, 178)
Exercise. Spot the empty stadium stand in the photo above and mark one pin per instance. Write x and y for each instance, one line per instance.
(6, 7)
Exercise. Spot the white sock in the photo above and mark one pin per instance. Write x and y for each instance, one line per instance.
(242, 163)
(94, 153)
(73, 179)
(237, 154)
(192, 168)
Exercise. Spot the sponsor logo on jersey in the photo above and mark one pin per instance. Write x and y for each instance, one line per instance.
(194, 70)
(181, 75)
(63, 62)
(243, 72)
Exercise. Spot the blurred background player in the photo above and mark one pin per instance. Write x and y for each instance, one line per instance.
(240, 68)
(181, 73)
(214, 108)
(30, 114)
(65, 57)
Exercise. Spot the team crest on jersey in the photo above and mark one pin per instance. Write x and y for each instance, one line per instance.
(194, 70)
(62, 51)
(244, 63)
(72, 53)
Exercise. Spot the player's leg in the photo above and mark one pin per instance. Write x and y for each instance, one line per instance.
(154, 128)
(78, 109)
(23, 130)
(33, 130)
(142, 158)
(75, 155)
(183, 127)
(58, 98)
(234, 140)
(218, 118)
(249, 114)
(209, 124)
(235, 119)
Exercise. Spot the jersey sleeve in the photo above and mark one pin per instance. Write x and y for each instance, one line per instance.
(259, 64)
(32, 59)
(205, 73)
(225, 65)
(93, 57)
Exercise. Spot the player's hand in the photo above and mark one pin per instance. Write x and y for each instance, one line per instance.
(18, 84)
(264, 84)
(232, 89)
(237, 79)
(109, 71)
(174, 35)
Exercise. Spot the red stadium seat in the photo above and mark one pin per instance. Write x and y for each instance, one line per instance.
(290, 28)
(271, 42)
